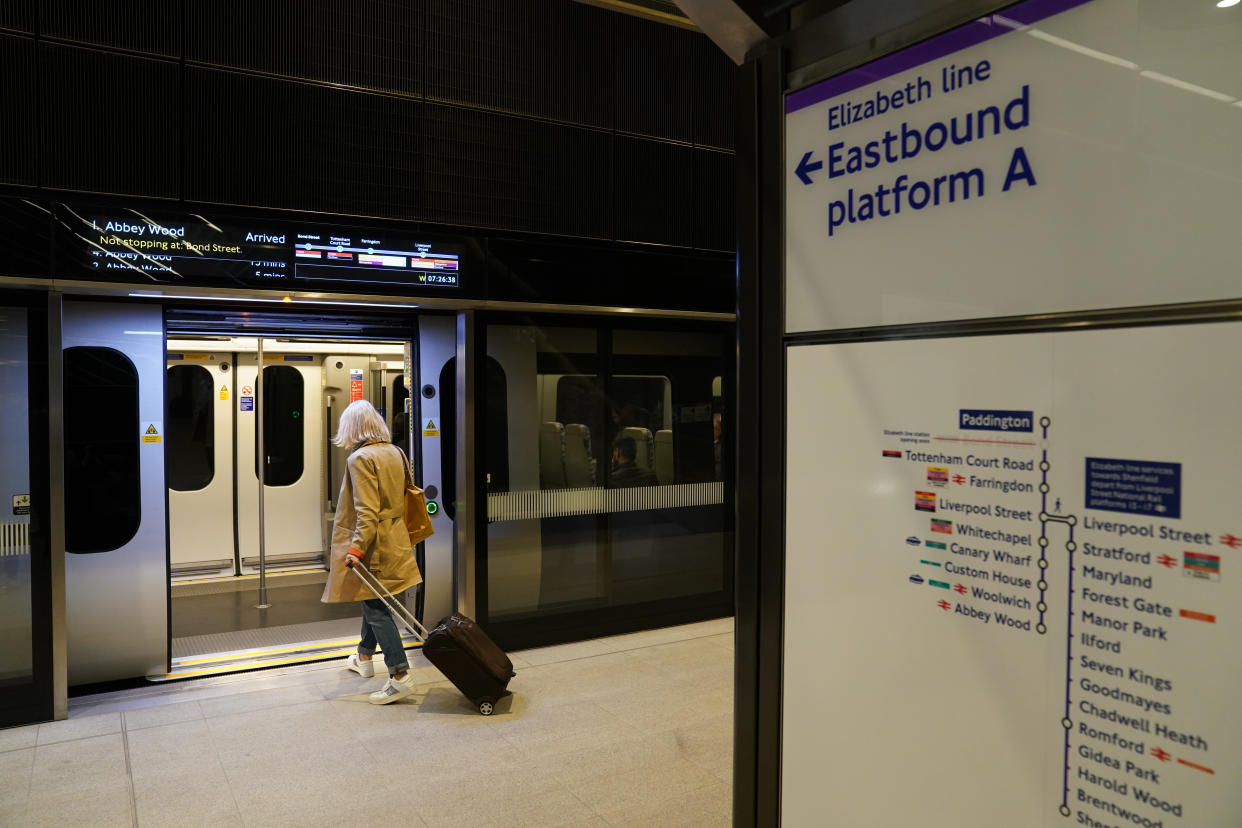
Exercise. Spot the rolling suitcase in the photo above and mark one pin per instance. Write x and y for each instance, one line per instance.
(457, 647)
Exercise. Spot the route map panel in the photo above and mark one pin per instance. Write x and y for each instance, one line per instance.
(1017, 568)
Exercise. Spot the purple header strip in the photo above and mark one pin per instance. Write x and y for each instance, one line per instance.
(955, 40)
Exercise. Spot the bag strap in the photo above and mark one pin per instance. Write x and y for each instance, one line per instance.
(405, 464)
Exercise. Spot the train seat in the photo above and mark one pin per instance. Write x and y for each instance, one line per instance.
(579, 464)
(552, 455)
(644, 454)
(664, 456)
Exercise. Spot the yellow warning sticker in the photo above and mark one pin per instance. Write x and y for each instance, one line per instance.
(224, 392)
(430, 429)
(151, 435)
(196, 357)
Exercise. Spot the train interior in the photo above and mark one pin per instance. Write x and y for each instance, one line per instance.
(211, 464)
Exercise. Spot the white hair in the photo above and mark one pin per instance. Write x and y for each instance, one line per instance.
(360, 423)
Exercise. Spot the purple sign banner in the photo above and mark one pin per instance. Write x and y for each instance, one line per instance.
(963, 37)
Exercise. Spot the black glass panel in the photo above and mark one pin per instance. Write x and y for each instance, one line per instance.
(190, 458)
(283, 395)
(496, 432)
(102, 485)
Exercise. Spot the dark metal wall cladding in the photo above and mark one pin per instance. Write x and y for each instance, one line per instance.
(714, 97)
(654, 181)
(653, 78)
(18, 15)
(277, 143)
(534, 106)
(487, 169)
(110, 123)
(373, 44)
(149, 26)
(549, 58)
(19, 124)
(715, 182)
(26, 230)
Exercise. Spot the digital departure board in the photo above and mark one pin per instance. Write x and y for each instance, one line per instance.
(158, 247)
(327, 256)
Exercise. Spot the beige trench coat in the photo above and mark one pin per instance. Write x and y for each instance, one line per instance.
(370, 518)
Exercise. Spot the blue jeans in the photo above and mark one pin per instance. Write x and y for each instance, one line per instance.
(379, 626)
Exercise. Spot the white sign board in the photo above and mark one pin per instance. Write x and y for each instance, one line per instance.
(1061, 155)
(1014, 581)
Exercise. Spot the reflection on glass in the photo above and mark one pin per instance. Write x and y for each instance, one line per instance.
(616, 492)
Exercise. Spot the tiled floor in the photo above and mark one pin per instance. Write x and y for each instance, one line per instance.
(634, 730)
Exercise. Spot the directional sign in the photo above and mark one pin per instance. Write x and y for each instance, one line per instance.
(805, 166)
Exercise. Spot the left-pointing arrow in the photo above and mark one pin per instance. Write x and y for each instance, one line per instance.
(807, 166)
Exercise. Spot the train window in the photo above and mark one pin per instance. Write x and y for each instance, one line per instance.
(615, 479)
(283, 395)
(190, 456)
(103, 500)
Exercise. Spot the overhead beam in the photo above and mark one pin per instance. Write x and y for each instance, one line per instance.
(727, 24)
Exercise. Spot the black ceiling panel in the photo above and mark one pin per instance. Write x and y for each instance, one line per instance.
(540, 57)
(715, 184)
(111, 123)
(654, 78)
(487, 169)
(715, 96)
(372, 44)
(149, 26)
(18, 15)
(19, 127)
(654, 181)
(300, 145)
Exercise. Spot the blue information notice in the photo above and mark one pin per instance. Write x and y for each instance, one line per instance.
(1137, 487)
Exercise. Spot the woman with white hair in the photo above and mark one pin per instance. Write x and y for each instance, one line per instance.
(369, 526)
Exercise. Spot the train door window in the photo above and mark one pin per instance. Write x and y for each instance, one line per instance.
(495, 425)
(283, 396)
(190, 458)
(102, 486)
(400, 421)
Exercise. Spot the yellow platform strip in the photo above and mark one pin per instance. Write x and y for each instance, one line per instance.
(233, 663)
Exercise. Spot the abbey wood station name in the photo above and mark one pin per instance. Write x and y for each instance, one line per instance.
(153, 230)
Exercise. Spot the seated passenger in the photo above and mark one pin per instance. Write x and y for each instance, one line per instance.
(625, 472)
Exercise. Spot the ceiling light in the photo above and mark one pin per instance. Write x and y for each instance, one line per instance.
(1224, 4)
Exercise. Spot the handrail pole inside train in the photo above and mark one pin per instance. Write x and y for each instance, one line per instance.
(262, 470)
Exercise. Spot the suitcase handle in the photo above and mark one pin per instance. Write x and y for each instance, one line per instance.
(394, 606)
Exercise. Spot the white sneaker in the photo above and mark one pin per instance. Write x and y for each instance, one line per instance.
(366, 669)
(393, 689)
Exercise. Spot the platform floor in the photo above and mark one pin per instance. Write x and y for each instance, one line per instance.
(633, 730)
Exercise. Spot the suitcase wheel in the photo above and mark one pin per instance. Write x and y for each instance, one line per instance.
(487, 707)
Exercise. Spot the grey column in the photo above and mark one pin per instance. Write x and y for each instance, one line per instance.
(56, 504)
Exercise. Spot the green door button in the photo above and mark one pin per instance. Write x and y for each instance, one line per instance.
(432, 507)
